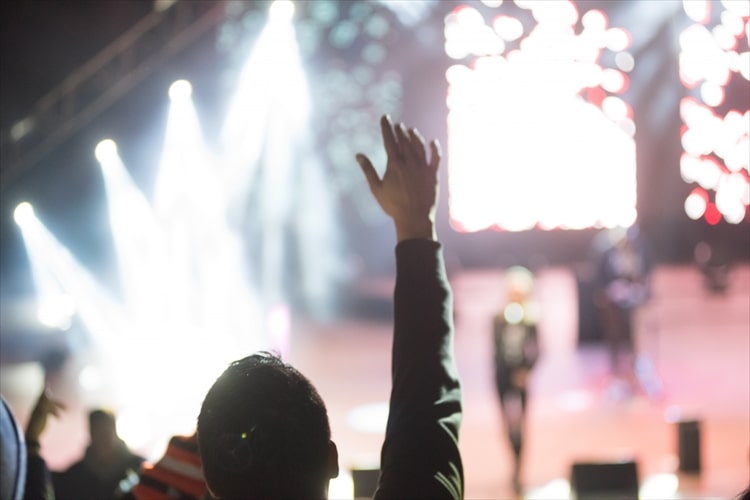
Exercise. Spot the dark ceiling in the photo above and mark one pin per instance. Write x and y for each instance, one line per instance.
(42, 41)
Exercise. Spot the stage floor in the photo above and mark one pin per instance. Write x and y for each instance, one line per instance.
(697, 346)
(695, 351)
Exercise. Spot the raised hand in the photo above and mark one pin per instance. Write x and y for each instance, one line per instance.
(408, 190)
(45, 406)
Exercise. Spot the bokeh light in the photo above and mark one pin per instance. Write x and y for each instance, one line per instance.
(716, 141)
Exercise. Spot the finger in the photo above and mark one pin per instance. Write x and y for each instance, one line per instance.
(436, 155)
(402, 139)
(417, 145)
(370, 174)
(389, 140)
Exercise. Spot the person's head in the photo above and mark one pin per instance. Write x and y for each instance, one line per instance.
(103, 431)
(263, 432)
(519, 284)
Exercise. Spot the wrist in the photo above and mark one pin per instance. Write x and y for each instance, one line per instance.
(415, 229)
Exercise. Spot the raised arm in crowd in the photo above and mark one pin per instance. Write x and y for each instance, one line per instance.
(263, 429)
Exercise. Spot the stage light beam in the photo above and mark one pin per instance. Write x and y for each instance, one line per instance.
(281, 10)
(181, 90)
(23, 214)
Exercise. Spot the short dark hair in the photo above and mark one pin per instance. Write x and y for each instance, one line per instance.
(101, 415)
(263, 432)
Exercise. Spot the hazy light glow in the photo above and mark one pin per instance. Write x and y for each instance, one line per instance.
(57, 312)
(21, 128)
(663, 486)
(659, 486)
(268, 150)
(557, 489)
(188, 291)
(341, 487)
(90, 378)
(370, 418)
(137, 237)
(134, 428)
(502, 103)
(62, 283)
(575, 401)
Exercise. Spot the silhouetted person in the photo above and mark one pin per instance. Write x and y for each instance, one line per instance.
(263, 429)
(516, 352)
(38, 477)
(622, 284)
(107, 461)
(714, 263)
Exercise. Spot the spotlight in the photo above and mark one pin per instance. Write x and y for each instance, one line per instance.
(181, 90)
(56, 312)
(106, 151)
(23, 214)
(281, 10)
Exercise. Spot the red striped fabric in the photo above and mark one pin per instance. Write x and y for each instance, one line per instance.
(177, 475)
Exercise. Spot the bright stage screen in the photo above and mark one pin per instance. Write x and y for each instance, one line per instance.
(537, 135)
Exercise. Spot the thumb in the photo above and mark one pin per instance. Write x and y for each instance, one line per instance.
(370, 174)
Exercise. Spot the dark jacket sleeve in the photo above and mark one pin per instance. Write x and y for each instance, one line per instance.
(38, 479)
(420, 456)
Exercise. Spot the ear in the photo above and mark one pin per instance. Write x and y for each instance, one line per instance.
(333, 460)
(211, 493)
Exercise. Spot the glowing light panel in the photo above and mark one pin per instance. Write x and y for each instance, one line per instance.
(529, 147)
(716, 144)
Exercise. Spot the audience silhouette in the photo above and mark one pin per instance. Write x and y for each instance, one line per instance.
(107, 462)
(263, 428)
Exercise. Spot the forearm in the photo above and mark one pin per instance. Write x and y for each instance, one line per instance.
(423, 314)
(425, 407)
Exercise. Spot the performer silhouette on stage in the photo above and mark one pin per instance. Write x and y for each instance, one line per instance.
(516, 352)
